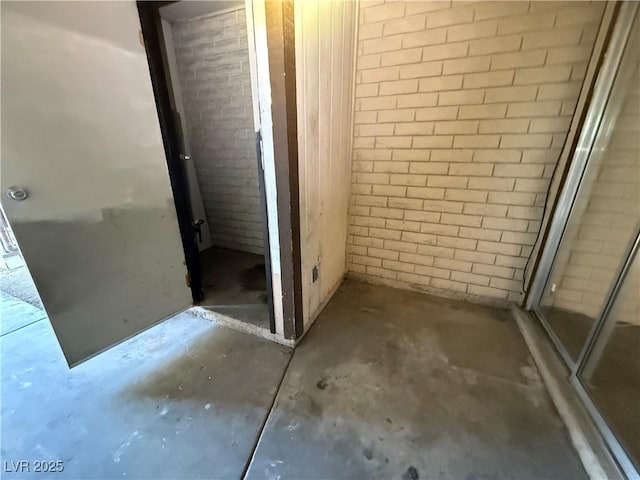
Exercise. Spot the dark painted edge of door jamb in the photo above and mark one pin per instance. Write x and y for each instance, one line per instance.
(151, 28)
(265, 232)
(281, 48)
(294, 174)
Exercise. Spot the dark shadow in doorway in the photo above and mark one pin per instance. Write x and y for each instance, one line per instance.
(235, 285)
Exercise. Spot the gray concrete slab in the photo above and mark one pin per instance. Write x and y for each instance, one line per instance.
(395, 384)
(185, 399)
(17, 282)
(235, 285)
(15, 313)
(233, 278)
(256, 315)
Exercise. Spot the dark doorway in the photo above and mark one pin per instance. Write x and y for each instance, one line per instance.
(199, 62)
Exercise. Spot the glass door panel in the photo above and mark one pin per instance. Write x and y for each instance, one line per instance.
(604, 215)
(611, 374)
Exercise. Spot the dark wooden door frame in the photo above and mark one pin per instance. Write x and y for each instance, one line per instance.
(280, 42)
(151, 28)
(282, 69)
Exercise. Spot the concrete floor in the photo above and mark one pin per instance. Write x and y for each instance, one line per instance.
(386, 384)
(17, 314)
(395, 384)
(17, 282)
(235, 285)
(185, 399)
(615, 385)
(232, 278)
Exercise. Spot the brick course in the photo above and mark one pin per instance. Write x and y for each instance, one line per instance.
(461, 112)
(213, 67)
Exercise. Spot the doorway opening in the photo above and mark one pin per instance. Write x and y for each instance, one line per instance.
(207, 55)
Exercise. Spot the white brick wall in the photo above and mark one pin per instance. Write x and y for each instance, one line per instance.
(213, 67)
(461, 112)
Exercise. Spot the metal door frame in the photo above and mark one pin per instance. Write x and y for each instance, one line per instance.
(578, 163)
(578, 168)
(563, 215)
(597, 340)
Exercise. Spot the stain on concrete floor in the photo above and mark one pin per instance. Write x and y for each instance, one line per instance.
(232, 278)
(395, 384)
(235, 285)
(254, 278)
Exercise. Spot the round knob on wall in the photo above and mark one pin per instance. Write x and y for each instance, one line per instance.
(17, 193)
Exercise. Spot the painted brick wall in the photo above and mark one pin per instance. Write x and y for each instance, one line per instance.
(461, 112)
(213, 67)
